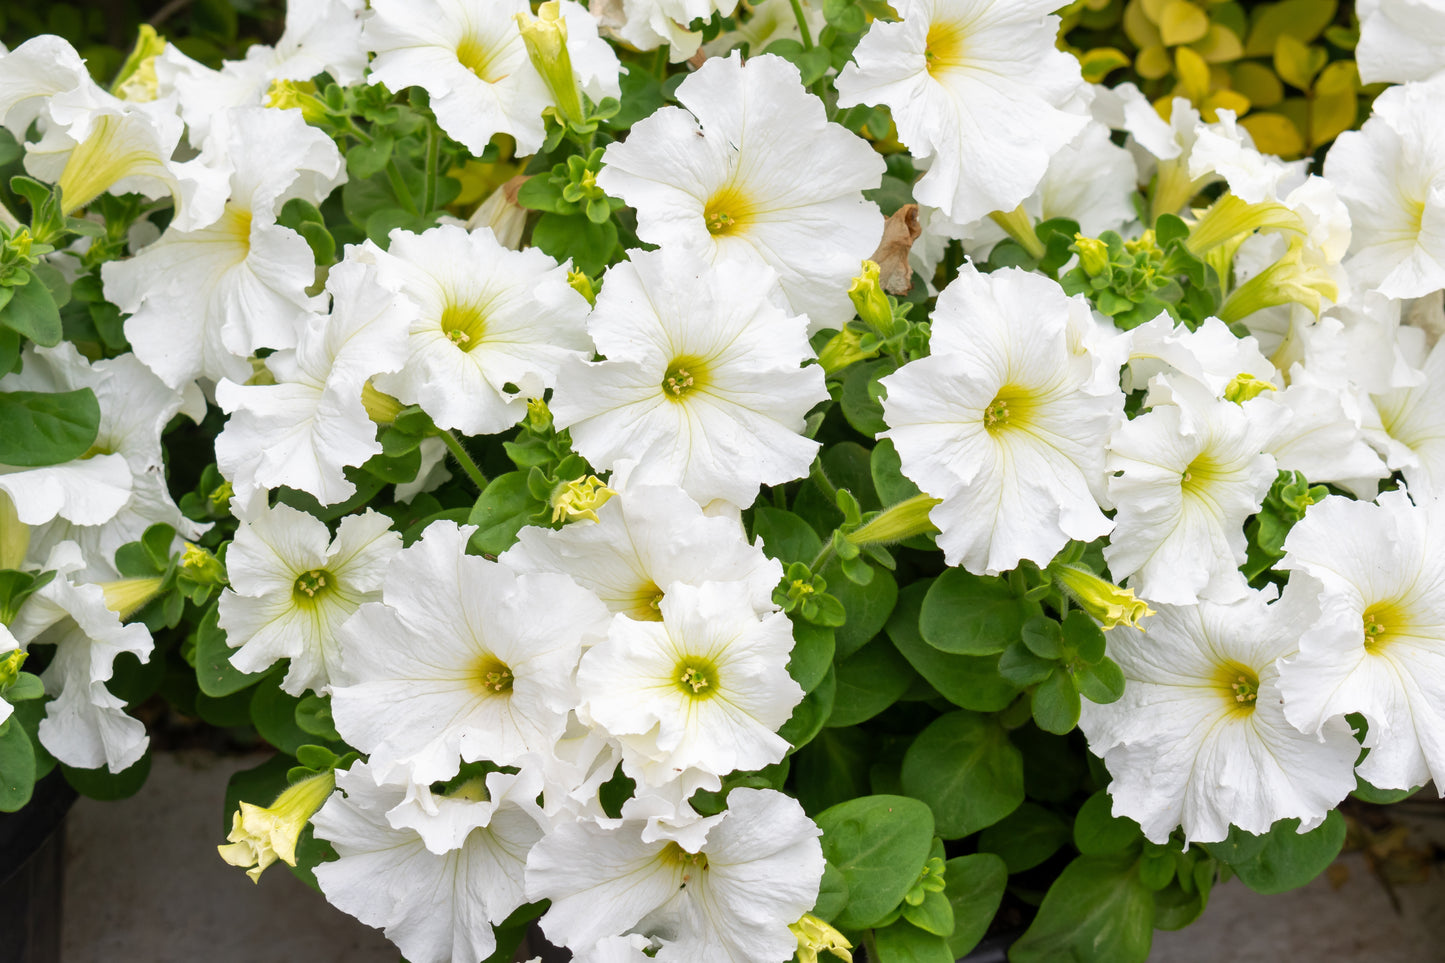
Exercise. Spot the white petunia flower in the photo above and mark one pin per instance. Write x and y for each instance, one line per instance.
(305, 428)
(979, 92)
(1400, 40)
(1211, 355)
(1391, 175)
(1315, 433)
(292, 586)
(437, 907)
(1006, 420)
(756, 173)
(463, 660)
(1185, 477)
(704, 689)
(85, 725)
(1199, 739)
(1378, 647)
(1412, 428)
(649, 24)
(31, 74)
(731, 900)
(320, 36)
(647, 537)
(702, 383)
(203, 300)
(485, 318)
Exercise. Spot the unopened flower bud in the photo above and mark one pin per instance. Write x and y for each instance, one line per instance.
(1093, 255)
(582, 284)
(1290, 280)
(815, 936)
(1229, 217)
(870, 299)
(842, 350)
(136, 80)
(259, 836)
(200, 565)
(501, 212)
(545, 37)
(297, 94)
(10, 664)
(1111, 605)
(1246, 386)
(380, 407)
(125, 597)
(900, 521)
(14, 535)
(539, 417)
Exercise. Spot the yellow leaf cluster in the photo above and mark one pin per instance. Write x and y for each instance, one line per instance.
(1283, 67)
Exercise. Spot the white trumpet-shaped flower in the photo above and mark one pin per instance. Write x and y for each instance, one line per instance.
(756, 173)
(1006, 420)
(1199, 739)
(702, 383)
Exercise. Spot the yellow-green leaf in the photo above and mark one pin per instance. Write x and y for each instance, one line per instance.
(1153, 62)
(1224, 100)
(1258, 83)
(1193, 74)
(1139, 28)
(1336, 105)
(1300, 19)
(1100, 62)
(1182, 22)
(1154, 9)
(1296, 63)
(1220, 45)
(1274, 134)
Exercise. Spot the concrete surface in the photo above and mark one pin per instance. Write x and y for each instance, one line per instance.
(144, 884)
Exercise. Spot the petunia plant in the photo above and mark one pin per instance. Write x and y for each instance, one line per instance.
(717, 482)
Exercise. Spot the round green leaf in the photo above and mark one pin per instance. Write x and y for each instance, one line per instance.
(971, 614)
(47, 427)
(1056, 703)
(17, 766)
(968, 681)
(967, 771)
(879, 844)
(1283, 859)
(974, 886)
(1097, 911)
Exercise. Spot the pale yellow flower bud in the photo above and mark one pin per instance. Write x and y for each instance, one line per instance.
(380, 407)
(870, 300)
(545, 37)
(580, 498)
(1111, 605)
(815, 936)
(904, 520)
(259, 836)
(125, 597)
(136, 80)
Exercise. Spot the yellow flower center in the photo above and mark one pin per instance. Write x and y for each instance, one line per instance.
(310, 586)
(645, 603)
(463, 324)
(692, 863)
(1240, 685)
(1202, 472)
(492, 676)
(1009, 409)
(697, 677)
(727, 212)
(684, 375)
(944, 48)
(1384, 622)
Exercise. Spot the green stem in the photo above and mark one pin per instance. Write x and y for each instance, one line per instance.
(465, 460)
(802, 24)
(398, 186)
(433, 156)
(659, 64)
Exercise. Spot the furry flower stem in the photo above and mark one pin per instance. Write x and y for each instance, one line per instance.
(1020, 227)
(260, 836)
(465, 460)
(1111, 605)
(897, 522)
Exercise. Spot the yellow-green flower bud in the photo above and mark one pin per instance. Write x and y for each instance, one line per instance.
(14, 535)
(259, 836)
(1246, 386)
(298, 94)
(10, 664)
(579, 498)
(842, 350)
(545, 37)
(1111, 605)
(539, 417)
(1093, 255)
(220, 497)
(904, 520)
(136, 80)
(200, 565)
(871, 300)
(815, 936)
(1019, 226)
(380, 407)
(1287, 281)
(582, 284)
(125, 597)
(1229, 217)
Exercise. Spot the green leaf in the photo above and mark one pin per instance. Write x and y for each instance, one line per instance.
(1097, 911)
(214, 673)
(17, 766)
(887, 470)
(902, 942)
(1301, 19)
(968, 681)
(367, 160)
(967, 771)
(105, 785)
(971, 614)
(860, 399)
(879, 844)
(575, 236)
(1083, 637)
(1102, 683)
(1098, 832)
(1025, 837)
(832, 894)
(975, 886)
(313, 715)
(33, 313)
(273, 713)
(1021, 667)
(24, 688)
(1056, 704)
(1363, 791)
(1282, 859)
(502, 510)
(812, 654)
(811, 715)
(833, 767)
(869, 682)
(1044, 637)
(868, 607)
(785, 536)
(47, 428)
